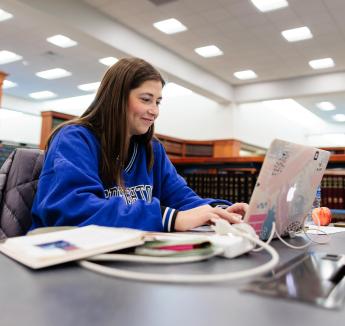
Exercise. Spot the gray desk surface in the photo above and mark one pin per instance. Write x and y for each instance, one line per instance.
(70, 295)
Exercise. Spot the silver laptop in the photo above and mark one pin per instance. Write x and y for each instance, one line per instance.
(285, 188)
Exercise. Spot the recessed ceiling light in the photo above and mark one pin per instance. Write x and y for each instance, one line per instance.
(8, 84)
(321, 63)
(61, 41)
(170, 26)
(53, 73)
(108, 61)
(297, 34)
(42, 95)
(4, 15)
(245, 74)
(8, 56)
(209, 51)
(326, 106)
(269, 5)
(89, 87)
(339, 117)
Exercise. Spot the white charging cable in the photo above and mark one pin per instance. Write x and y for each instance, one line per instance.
(181, 278)
(310, 240)
(155, 260)
(318, 229)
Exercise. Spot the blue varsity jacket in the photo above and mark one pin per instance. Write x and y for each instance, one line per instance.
(71, 193)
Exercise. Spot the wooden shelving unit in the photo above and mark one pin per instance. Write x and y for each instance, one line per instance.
(335, 150)
(3, 75)
(193, 152)
(178, 148)
(214, 168)
(337, 158)
(50, 120)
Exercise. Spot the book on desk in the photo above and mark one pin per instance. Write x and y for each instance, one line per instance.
(47, 249)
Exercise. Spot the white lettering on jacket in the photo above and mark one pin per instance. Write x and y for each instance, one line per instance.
(131, 194)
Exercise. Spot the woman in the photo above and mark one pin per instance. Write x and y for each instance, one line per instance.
(106, 168)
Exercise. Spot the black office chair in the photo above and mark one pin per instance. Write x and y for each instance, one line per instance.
(18, 183)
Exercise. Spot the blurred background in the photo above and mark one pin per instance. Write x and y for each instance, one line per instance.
(236, 69)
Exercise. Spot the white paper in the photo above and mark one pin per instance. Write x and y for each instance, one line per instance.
(324, 230)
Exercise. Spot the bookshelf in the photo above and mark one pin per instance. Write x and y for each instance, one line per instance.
(175, 147)
(50, 120)
(220, 148)
(226, 173)
(225, 168)
(3, 76)
(333, 189)
(335, 150)
(232, 184)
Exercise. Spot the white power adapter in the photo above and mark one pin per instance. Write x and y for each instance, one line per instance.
(232, 239)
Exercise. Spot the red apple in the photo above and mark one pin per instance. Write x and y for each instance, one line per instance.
(322, 214)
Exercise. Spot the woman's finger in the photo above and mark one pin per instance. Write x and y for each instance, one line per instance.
(229, 216)
(240, 208)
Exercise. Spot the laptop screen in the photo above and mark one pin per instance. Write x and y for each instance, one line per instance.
(286, 187)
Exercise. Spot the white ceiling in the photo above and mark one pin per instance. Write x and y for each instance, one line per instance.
(249, 39)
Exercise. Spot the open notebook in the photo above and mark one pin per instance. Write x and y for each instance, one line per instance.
(286, 187)
(46, 249)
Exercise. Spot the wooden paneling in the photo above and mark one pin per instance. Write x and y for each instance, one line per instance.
(182, 151)
(199, 150)
(335, 150)
(227, 148)
(222, 148)
(51, 120)
(217, 160)
(2, 78)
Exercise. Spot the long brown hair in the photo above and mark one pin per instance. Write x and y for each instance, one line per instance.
(107, 116)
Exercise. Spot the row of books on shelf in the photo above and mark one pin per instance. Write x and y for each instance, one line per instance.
(232, 186)
(333, 191)
(238, 186)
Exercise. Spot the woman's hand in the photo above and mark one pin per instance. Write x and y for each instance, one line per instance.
(239, 208)
(201, 215)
